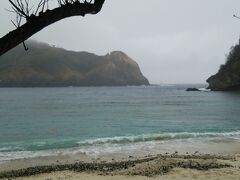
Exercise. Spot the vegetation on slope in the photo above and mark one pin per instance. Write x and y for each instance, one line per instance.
(45, 65)
(228, 76)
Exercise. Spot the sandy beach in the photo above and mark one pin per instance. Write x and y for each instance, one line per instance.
(218, 159)
(180, 174)
(167, 166)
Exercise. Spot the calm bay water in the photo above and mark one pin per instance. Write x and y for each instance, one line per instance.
(34, 120)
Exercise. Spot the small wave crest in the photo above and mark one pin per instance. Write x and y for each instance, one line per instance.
(119, 140)
(204, 89)
(154, 143)
(156, 137)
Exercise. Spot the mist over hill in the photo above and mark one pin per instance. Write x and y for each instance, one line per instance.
(48, 66)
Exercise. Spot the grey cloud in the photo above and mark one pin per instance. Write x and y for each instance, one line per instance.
(173, 41)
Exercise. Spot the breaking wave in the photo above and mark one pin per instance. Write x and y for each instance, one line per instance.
(123, 144)
(157, 137)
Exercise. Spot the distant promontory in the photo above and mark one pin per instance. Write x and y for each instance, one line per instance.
(47, 66)
(228, 76)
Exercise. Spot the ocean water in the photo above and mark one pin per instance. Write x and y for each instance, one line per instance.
(97, 120)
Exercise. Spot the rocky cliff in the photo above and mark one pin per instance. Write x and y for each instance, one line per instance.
(47, 66)
(228, 76)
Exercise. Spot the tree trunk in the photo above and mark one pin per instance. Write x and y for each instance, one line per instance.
(37, 23)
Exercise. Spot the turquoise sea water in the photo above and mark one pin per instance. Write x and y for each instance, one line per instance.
(34, 121)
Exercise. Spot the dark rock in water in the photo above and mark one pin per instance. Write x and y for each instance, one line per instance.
(228, 76)
(192, 89)
(47, 66)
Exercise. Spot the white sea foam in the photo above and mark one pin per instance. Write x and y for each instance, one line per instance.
(157, 137)
(7, 156)
(204, 89)
(141, 144)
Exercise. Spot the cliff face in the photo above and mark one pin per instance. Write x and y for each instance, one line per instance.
(46, 66)
(228, 76)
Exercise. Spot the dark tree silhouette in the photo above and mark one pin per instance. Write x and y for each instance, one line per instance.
(41, 16)
(236, 16)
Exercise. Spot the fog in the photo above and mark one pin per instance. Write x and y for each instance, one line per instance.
(172, 41)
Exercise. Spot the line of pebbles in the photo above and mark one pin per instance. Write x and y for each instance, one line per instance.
(156, 165)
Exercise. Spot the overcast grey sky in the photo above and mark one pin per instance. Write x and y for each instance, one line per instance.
(173, 41)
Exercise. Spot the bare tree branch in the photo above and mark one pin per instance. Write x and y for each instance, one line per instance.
(18, 7)
(236, 16)
(34, 23)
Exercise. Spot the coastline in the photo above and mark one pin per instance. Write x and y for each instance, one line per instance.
(214, 158)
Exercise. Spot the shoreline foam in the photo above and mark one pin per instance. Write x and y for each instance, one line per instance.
(227, 142)
(216, 152)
